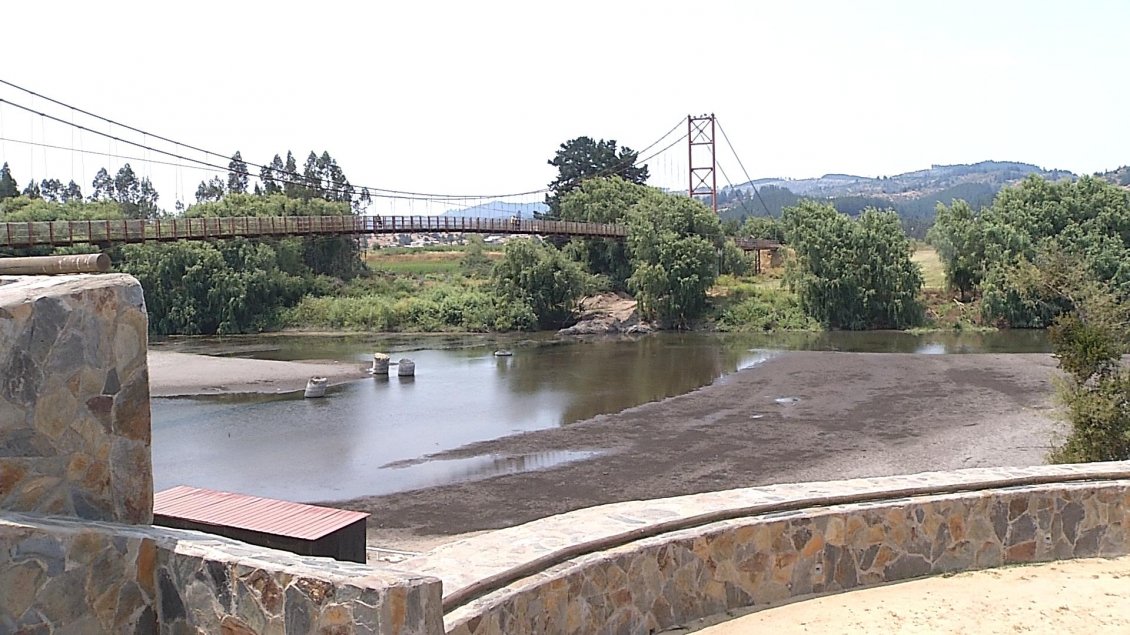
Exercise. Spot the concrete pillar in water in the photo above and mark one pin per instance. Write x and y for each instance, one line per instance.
(380, 364)
(406, 368)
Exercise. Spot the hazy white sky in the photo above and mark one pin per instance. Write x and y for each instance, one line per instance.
(474, 97)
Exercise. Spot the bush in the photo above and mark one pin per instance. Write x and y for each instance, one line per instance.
(542, 278)
(766, 310)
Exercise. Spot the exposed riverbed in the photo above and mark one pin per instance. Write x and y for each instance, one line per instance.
(385, 435)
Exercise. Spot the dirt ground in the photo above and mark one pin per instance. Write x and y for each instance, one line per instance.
(1073, 597)
(798, 417)
(177, 374)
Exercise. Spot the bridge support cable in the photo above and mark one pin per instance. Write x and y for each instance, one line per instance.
(742, 166)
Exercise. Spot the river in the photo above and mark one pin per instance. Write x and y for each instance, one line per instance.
(367, 437)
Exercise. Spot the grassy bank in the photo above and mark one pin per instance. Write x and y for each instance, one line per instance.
(414, 290)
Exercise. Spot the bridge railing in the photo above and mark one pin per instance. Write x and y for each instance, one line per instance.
(70, 232)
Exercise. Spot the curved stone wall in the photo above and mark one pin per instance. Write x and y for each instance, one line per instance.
(812, 545)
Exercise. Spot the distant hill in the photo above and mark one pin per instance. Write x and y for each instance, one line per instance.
(499, 209)
(914, 195)
(1118, 176)
(912, 184)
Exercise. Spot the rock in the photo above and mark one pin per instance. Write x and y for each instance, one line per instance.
(607, 314)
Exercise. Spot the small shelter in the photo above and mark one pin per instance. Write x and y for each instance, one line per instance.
(308, 530)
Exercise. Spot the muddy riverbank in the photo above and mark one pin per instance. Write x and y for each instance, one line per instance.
(800, 416)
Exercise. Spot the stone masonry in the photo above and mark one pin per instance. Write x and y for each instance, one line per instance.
(74, 398)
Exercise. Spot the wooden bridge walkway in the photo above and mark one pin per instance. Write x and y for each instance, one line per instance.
(105, 232)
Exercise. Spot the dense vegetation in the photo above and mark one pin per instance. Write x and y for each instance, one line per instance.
(995, 253)
(671, 256)
(852, 274)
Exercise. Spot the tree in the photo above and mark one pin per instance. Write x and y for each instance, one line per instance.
(237, 174)
(72, 192)
(763, 227)
(230, 286)
(541, 277)
(102, 185)
(583, 158)
(852, 274)
(672, 244)
(957, 236)
(273, 176)
(32, 190)
(52, 190)
(602, 200)
(136, 196)
(292, 186)
(1089, 338)
(475, 263)
(1089, 218)
(210, 190)
(8, 186)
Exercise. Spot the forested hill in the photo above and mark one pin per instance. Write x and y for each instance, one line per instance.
(1118, 176)
(913, 184)
(914, 195)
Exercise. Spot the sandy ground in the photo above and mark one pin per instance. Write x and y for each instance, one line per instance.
(854, 415)
(1073, 597)
(179, 374)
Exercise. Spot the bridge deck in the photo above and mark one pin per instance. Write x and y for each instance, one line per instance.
(101, 232)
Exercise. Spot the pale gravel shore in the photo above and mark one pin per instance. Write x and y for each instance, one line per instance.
(184, 374)
(1074, 597)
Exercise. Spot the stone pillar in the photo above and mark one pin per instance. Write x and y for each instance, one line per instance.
(74, 398)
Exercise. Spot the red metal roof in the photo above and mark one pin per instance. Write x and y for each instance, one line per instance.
(266, 515)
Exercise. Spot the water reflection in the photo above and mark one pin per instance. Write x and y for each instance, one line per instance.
(342, 446)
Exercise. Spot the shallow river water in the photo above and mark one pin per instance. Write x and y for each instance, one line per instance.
(368, 437)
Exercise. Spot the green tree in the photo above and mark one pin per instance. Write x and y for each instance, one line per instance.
(135, 195)
(1089, 338)
(852, 274)
(602, 200)
(32, 190)
(231, 286)
(584, 158)
(335, 256)
(8, 186)
(475, 263)
(672, 243)
(238, 176)
(957, 236)
(72, 193)
(763, 227)
(273, 176)
(210, 191)
(1088, 218)
(541, 277)
(292, 184)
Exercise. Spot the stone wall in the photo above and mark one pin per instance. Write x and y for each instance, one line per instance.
(666, 580)
(74, 398)
(68, 576)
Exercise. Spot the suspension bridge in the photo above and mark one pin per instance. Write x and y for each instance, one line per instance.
(701, 169)
(120, 231)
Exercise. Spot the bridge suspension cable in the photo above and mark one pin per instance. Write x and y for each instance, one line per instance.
(282, 175)
(742, 166)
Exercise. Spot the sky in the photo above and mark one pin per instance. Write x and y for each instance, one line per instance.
(473, 98)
